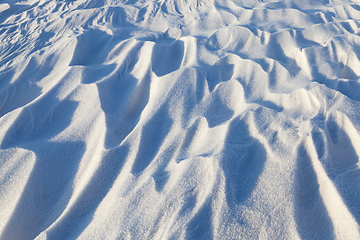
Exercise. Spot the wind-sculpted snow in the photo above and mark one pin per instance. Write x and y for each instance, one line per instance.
(214, 119)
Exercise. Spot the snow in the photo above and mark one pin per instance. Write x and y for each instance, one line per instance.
(172, 119)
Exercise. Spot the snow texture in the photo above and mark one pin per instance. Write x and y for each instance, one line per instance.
(179, 119)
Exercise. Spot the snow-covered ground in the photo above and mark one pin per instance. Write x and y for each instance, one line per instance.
(179, 119)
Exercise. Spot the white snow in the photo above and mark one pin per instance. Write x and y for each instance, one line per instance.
(173, 119)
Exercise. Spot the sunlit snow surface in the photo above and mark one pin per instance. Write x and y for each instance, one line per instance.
(179, 119)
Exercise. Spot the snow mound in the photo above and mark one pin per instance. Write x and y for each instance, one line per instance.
(202, 119)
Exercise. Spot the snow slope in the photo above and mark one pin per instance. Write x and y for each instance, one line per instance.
(179, 119)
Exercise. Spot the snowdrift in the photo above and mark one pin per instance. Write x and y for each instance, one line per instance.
(172, 119)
